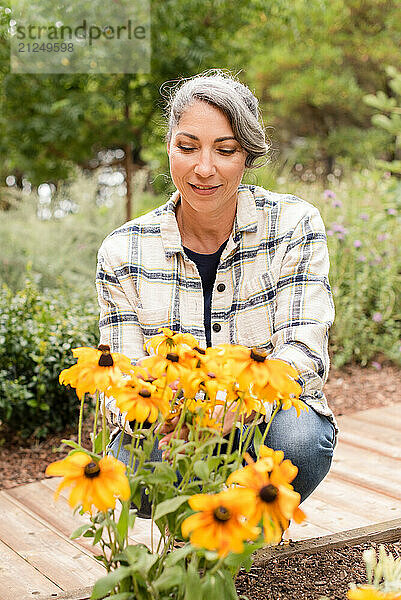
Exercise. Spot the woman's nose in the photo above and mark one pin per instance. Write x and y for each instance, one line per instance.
(205, 165)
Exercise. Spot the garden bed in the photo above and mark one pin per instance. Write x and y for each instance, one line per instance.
(309, 575)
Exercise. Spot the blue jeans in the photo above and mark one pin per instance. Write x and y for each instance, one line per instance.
(307, 440)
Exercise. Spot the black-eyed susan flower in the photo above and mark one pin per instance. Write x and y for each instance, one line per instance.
(166, 341)
(274, 500)
(141, 400)
(94, 483)
(220, 521)
(96, 369)
(371, 593)
(173, 366)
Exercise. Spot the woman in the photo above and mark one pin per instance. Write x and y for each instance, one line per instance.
(227, 262)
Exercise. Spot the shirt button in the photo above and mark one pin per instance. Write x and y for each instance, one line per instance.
(216, 327)
(221, 287)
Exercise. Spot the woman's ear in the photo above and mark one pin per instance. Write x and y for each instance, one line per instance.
(168, 148)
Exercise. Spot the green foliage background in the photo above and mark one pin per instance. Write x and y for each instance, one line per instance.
(331, 103)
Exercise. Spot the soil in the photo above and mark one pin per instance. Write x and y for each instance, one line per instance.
(300, 577)
(309, 576)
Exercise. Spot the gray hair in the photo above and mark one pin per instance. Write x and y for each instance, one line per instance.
(229, 95)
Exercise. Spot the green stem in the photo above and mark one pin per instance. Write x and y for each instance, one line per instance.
(104, 424)
(269, 423)
(81, 414)
(95, 421)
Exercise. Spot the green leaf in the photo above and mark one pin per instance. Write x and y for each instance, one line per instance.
(201, 470)
(193, 589)
(122, 596)
(140, 558)
(106, 584)
(122, 525)
(170, 578)
(165, 473)
(177, 555)
(169, 506)
(257, 438)
(82, 529)
(98, 535)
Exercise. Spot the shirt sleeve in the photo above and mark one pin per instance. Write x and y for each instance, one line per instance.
(118, 324)
(305, 308)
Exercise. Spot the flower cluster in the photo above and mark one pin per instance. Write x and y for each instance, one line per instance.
(264, 495)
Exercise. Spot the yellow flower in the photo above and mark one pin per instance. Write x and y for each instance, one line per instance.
(371, 593)
(220, 522)
(174, 365)
(141, 400)
(93, 483)
(95, 370)
(274, 502)
(166, 341)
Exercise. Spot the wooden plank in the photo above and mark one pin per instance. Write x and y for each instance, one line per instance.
(372, 436)
(77, 594)
(382, 448)
(304, 531)
(19, 580)
(387, 531)
(39, 499)
(346, 495)
(367, 469)
(387, 416)
(333, 519)
(55, 556)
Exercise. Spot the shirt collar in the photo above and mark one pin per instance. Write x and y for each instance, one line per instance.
(245, 220)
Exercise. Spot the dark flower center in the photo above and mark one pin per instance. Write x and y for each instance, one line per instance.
(211, 375)
(172, 356)
(221, 513)
(258, 355)
(150, 379)
(268, 493)
(145, 393)
(92, 470)
(199, 350)
(106, 359)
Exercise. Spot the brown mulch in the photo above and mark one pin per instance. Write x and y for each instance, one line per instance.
(348, 390)
(309, 576)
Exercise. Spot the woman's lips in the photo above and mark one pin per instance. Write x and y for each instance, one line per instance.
(204, 192)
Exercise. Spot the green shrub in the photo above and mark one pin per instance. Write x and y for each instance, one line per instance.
(37, 332)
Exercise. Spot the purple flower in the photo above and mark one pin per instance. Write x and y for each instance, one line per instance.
(382, 237)
(361, 258)
(376, 365)
(340, 236)
(338, 228)
(330, 232)
(336, 204)
(364, 216)
(357, 243)
(329, 194)
(391, 211)
(377, 317)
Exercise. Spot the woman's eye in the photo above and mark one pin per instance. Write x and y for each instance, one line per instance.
(226, 150)
(185, 148)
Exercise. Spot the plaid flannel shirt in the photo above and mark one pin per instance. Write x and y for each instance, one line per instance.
(271, 289)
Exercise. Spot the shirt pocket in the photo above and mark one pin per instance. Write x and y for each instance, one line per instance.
(257, 308)
(151, 319)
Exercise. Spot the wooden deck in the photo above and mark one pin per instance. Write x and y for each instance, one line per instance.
(38, 560)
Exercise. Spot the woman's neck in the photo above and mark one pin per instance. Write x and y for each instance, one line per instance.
(204, 233)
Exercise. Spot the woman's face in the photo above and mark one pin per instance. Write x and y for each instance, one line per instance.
(206, 161)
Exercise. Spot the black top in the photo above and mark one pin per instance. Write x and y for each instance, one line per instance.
(207, 266)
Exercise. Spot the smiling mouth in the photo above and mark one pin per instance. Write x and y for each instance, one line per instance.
(204, 187)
